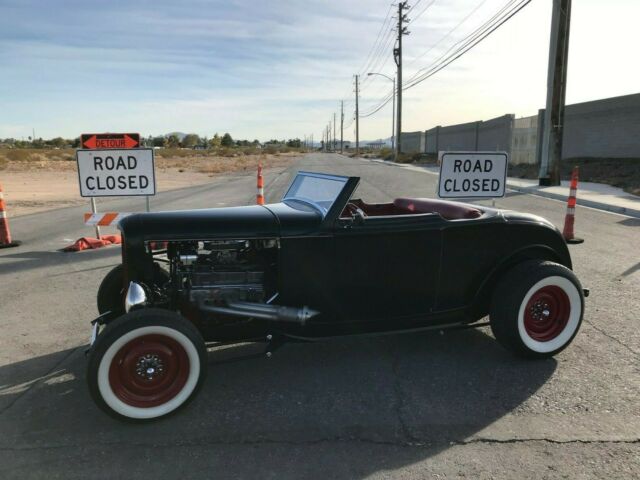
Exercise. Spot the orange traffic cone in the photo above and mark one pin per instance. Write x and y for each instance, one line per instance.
(569, 219)
(5, 233)
(260, 195)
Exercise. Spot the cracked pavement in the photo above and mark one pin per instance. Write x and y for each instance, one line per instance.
(449, 404)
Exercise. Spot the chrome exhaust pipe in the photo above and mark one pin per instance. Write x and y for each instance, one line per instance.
(262, 311)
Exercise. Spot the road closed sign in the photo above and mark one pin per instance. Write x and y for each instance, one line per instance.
(472, 174)
(114, 173)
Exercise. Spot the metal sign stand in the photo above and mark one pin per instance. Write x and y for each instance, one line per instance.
(101, 142)
(94, 209)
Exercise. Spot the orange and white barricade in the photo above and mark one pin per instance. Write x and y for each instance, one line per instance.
(104, 219)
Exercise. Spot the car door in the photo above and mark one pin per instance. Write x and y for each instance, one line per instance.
(387, 268)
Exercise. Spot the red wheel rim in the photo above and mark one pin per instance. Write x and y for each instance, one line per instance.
(149, 371)
(547, 313)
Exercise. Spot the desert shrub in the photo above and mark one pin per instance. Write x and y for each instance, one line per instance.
(385, 152)
(227, 152)
(409, 157)
(18, 155)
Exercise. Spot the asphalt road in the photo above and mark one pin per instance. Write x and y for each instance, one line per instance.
(443, 405)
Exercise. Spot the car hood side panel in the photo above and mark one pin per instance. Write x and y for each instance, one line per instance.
(233, 222)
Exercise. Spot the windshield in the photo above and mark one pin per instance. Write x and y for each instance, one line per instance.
(318, 189)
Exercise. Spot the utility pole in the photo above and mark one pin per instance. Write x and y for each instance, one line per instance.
(341, 125)
(393, 118)
(357, 121)
(397, 54)
(556, 90)
(334, 130)
(328, 136)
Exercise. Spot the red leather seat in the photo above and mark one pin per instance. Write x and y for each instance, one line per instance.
(447, 210)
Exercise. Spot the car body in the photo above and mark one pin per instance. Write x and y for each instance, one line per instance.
(321, 263)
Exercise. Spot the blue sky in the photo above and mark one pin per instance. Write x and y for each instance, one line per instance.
(279, 68)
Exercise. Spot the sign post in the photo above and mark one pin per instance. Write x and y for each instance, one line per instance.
(94, 209)
(111, 165)
(473, 175)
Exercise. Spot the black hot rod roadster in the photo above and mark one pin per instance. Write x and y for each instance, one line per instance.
(318, 264)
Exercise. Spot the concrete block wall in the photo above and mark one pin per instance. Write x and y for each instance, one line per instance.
(412, 142)
(496, 134)
(431, 140)
(524, 143)
(607, 128)
(463, 136)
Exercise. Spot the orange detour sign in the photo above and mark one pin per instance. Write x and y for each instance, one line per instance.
(94, 141)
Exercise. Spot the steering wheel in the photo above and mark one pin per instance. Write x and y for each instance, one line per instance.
(354, 210)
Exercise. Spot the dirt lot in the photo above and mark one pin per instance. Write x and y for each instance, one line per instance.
(35, 181)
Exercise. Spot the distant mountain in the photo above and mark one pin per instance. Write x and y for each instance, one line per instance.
(386, 141)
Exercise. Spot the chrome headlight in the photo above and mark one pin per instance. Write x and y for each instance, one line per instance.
(136, 296)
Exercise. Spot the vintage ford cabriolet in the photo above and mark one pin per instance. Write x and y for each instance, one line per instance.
(318, 264)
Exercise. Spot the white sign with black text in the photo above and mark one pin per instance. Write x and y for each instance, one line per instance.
(115, 173)
(472, 174)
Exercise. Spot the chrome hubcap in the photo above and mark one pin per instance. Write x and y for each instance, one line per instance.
(149, 366)
(540, 310)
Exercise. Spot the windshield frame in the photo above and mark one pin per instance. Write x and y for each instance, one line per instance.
(324, 211)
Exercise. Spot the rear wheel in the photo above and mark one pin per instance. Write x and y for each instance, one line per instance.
(146, 364)
(537, 309)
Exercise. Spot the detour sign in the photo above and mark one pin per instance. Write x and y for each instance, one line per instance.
(472, 175)
(113, 173)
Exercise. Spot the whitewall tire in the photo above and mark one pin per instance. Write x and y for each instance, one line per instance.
(537, 308)
(146, 364)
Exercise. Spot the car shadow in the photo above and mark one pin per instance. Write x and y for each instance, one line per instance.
(630, 222)
(30, 260)
(351, 407)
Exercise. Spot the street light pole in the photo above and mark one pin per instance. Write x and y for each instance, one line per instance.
(393, 115)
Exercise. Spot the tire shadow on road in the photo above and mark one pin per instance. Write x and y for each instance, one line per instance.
(330, 405)
(22, 261)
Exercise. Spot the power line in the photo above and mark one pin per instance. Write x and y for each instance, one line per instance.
(465, 48)
(414, 6)
(470, 41)
(420, 14)
(373, 48)
(380, 55)
(448, 33)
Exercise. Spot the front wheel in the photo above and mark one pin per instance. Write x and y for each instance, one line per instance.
(112, 290)
(537, 309)
(146, 364)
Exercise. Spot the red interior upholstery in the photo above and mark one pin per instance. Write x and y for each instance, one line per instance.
(447, 210)
(411, 206)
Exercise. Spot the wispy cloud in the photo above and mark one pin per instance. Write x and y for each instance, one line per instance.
(256, 69)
